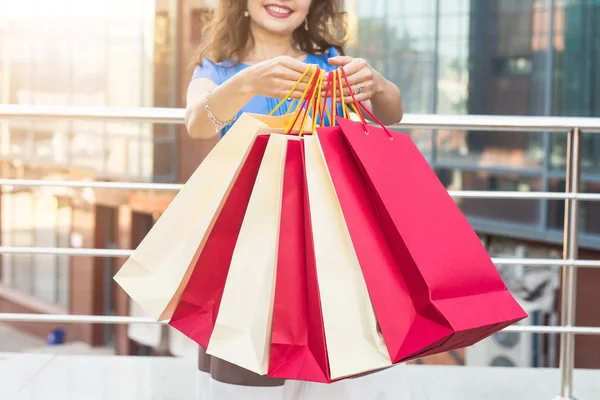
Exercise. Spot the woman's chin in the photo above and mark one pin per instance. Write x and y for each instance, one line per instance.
(278, 28)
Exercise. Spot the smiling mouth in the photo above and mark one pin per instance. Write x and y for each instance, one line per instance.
(278, 11)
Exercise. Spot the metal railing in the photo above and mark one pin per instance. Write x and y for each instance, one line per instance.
(572, 197)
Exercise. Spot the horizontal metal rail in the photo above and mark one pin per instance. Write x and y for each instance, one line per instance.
(155, 115)
(410, 121)
(172, 187)
(67, 251)
(458, 194)
(113, 320)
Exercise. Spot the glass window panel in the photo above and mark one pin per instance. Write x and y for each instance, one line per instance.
(44, 265)
(502, 210)
(510, 150)
(7, 236)
(23, 236)
(454, 6)
(63, 226)
(590, 152)
(589, 211)
(88, 150)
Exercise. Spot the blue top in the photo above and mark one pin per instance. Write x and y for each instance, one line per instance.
(220, 72)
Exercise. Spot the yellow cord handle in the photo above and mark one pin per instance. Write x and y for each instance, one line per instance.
(317, 113)
(287, 96)
(334, 100)
(311, 105)
(338, 74)
(296, 114)
(306, 90)
(325, 104)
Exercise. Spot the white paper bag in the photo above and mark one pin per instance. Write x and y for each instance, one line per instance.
(354, 343)
(242, 332)
(157, 272)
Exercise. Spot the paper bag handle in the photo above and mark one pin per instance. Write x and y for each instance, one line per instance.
(365, 108)
(310, 101)
(287, 96)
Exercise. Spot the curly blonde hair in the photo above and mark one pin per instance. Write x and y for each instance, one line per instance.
(228, 33)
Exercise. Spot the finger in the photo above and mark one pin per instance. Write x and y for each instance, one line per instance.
(362, 76)
(355, 66)
(297, 95)
(358, 98)
(365, 88)
(296, 65)
(293, 95)
(288, 85)
(340, 61)
(283, 74)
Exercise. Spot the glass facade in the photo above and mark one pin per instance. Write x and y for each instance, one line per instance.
(498, 57)
(36, 218)
(84, 53)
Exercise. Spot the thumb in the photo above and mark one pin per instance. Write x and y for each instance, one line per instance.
(339, 61)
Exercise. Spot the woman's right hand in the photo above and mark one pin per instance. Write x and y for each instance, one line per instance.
(276, 77)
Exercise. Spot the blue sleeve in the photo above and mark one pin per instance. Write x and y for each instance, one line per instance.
(209, 70)
(332, 52)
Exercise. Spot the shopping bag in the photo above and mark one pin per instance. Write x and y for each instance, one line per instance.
(354, 343)
(298, 349)
(242, 330)
(404, 330)
(445, 267)
(156, 273)
(196, 312)
(159, 268)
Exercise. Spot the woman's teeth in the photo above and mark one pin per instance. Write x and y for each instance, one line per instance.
(279, 10)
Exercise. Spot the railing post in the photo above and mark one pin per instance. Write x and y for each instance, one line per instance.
(569, 277)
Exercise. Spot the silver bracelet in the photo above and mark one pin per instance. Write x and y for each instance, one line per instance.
(218, 124)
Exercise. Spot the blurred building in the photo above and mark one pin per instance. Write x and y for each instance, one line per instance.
(448, 57)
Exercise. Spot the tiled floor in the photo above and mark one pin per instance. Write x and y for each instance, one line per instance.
(66, 377)
(12, 340)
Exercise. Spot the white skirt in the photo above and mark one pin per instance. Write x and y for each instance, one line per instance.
(389, 384)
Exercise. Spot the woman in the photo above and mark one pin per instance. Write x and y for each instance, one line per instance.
(257, 50)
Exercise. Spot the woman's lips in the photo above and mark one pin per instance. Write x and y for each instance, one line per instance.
(277, 11)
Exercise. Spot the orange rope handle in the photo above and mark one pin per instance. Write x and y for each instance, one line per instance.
(334, 99)
(307, 100)
(338, 74)
(287, 96)
(312, 104)
(325, 105)
(356, 106)
(307, 91)
(318, 113)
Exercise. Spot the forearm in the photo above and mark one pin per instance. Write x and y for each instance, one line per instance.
(225, 101)
(386, 102)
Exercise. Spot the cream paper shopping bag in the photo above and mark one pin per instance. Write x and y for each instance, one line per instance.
(242, 332)
(354, 343)
(156, 273)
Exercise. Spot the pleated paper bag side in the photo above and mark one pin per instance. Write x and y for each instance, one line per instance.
(354, 343)
(156, 273)
(242, 332)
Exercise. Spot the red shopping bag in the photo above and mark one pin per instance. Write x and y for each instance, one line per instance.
(406, 329)
(457, 295)
(298, 349)
(197, 310)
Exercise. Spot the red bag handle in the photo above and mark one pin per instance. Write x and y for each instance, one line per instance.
(325, 107)
(361, 105)
(308, 98)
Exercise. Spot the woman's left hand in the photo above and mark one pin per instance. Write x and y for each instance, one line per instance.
(364, 81)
